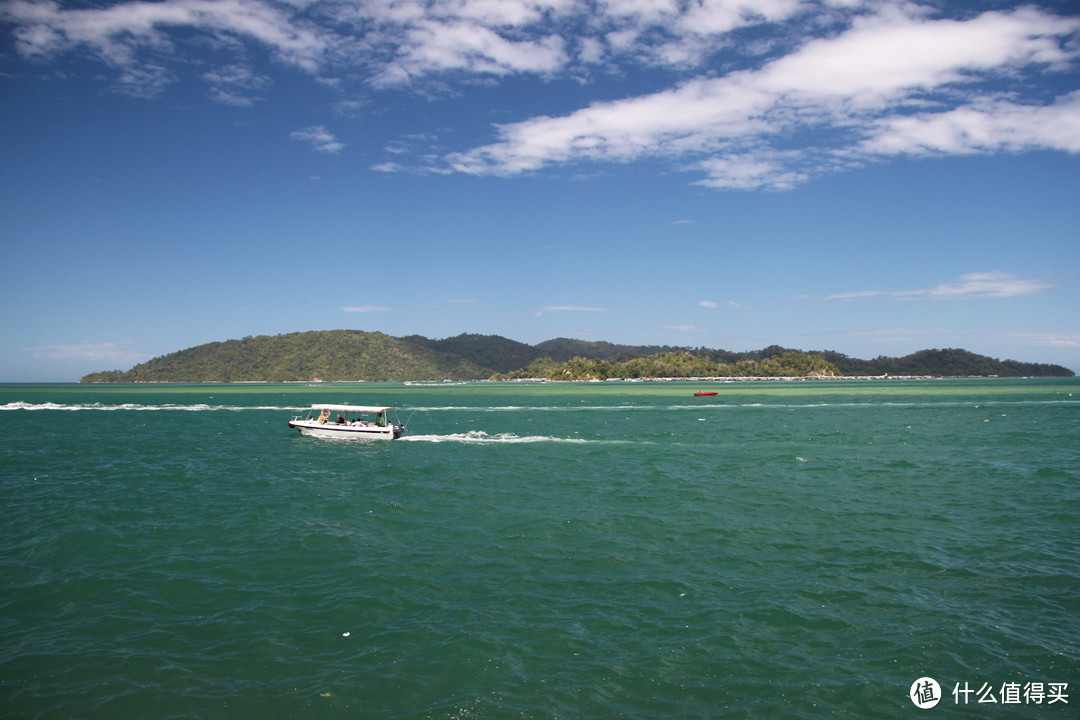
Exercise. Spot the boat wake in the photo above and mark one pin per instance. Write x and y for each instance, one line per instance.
(200, 407)
(482, 438)
(697, 408)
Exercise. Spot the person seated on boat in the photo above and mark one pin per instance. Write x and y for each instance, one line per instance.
(324, 416)
(340, 419)
(358, 422)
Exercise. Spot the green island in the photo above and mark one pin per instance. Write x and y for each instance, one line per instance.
(356, 355)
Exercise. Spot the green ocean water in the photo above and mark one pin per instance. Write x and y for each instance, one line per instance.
(613, 550)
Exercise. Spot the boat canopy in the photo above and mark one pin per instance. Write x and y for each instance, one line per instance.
(352, 408)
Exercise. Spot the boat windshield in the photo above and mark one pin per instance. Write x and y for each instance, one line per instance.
(352, 417)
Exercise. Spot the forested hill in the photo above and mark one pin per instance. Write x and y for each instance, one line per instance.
(323, 355)
(373, 356)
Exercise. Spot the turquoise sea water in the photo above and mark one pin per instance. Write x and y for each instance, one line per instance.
(616, 550)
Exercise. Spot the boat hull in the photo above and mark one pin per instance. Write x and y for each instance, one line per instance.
(348, 432)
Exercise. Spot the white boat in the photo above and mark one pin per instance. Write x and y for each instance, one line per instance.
(348, 421)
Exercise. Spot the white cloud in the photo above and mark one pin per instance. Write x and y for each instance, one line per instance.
(1067, 340)
(348, 108)
(440, 46)
(571, 308)
(860, 85)
(893, 54)
(147, 80)
(746, 171)
(822, 86)
(119, 35)
(233, 84)
(713, 305)
(852, 295)
(721, 16)
(395, 42)
(987, 125)
(320, 139)
(365, 309)
(111, 352)
(994, 284)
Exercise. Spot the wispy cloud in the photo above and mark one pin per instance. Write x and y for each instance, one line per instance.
(860, 85)
(365, 309)
(984, 285)
(825, 85)
(850, 295)
(566, 308)
(235, 85)
(714, 305)
(123, 34)
(985, 125)
(1055, 340)
(400, 42)
(994, 284)
(571, 308)
(320, 139)
(437, 45)
(112, 352)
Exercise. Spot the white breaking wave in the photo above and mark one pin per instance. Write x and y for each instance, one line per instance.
(528, 408)
(199, 407)
(481, 437)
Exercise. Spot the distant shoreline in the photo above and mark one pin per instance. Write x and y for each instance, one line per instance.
(539, 381)
(314, 356)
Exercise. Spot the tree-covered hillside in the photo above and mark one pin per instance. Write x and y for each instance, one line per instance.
(374, 356)
(563, 349)
(950, 361)
(488, 351)
(678, 364)
(322, 355)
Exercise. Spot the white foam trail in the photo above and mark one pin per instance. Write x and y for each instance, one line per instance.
(481, 437)
(199, 407)
(529, 408)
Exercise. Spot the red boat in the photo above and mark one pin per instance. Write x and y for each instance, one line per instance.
(710, 392)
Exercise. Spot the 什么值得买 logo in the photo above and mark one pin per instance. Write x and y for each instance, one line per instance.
(925, 693)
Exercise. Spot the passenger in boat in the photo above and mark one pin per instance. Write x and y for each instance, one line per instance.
(324, 416)
(340, 419)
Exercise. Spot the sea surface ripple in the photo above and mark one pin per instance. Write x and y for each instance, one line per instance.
(540, 551)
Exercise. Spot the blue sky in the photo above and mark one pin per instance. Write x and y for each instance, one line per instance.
(869, 177)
